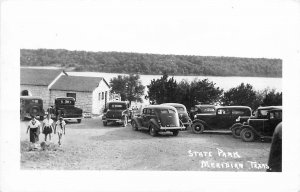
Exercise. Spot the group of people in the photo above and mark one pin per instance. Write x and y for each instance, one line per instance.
(48, 127)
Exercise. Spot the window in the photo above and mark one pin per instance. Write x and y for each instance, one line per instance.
(144, 111)
(99, 96)
(102, 95)
(72, 95)
(239, 112)
(180, 109)
(223, 112)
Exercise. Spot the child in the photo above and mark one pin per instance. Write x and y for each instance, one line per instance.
(61, 128)
(47, 127)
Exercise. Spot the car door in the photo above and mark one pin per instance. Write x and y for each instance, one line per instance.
(275, 117)
(222, 119)
(144, 117)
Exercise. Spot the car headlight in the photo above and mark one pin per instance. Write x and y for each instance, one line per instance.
(195, 116)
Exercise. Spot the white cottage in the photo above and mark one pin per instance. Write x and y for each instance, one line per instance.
(91, 93)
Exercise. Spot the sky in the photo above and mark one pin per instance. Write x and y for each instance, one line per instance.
(207, 28)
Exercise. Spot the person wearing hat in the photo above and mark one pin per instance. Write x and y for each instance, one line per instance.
(61, 129)
(34, 127)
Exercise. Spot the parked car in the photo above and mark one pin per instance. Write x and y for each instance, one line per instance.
(259, 113)
(158, 118)
(257, 128)
(182, 113)
(116, 112)
(65, 108)
(31, 106)
(223, 118)
(202, 109)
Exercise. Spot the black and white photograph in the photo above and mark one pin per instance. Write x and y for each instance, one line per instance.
(142, 95)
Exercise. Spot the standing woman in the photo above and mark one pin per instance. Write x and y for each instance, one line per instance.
(47, 127)
(34, 126)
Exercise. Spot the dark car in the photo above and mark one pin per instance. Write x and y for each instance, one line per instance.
(65, 108)
(223, 118)
(31, 106)
(116, 112)
(182, 113)
(158, 118)
(261, 128)
(259, 113)
(202, 109)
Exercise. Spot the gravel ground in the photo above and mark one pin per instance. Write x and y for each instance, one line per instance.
(90, 146)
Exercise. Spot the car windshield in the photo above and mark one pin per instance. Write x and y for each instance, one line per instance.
(33, 101)
(165, 111)
(180, 109)
(117, 106)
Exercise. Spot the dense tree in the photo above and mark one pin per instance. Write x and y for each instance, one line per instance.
(272, 98)
(167, 90)
(118, 62)
(162, 90)
(240, 95)
(129, 87)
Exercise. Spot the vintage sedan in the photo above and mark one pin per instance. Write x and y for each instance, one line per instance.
(116, 112)
(259, 113)
(223, 118)
(158, 118)
(261, 128)
(182, 112)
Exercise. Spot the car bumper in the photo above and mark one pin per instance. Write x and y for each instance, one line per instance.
(171, 128)
(112, 120)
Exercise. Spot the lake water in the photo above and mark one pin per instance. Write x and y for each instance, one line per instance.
(258, 83)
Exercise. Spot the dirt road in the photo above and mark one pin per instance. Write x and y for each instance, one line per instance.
(90, 145)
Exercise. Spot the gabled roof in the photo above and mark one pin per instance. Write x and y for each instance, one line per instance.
(76, 83)
(38, 76)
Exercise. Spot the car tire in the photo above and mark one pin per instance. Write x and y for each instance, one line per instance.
(175, 133)
(134, 126)
(104, 123)
(125, 122)
(78, 120)
(236, 132)
(152, 130)
(197, 128)
(247, 135)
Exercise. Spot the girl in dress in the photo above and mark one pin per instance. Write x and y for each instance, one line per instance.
(34, 127)
(47, 127)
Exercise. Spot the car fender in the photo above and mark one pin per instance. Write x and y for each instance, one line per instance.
(138, 121)
(200, 121)
(236, 125)
(249, 127)
(154, 122)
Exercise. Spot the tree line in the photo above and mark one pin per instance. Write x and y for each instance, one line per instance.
(141, 63)
(199, 91)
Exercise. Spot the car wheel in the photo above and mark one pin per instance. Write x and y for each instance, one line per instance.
(78, 120)
(152, 130)
(197, 128)
(125, 121)
(175, 133)
(247, 135)
(134, 126)
(236, 132)
(104, 123)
